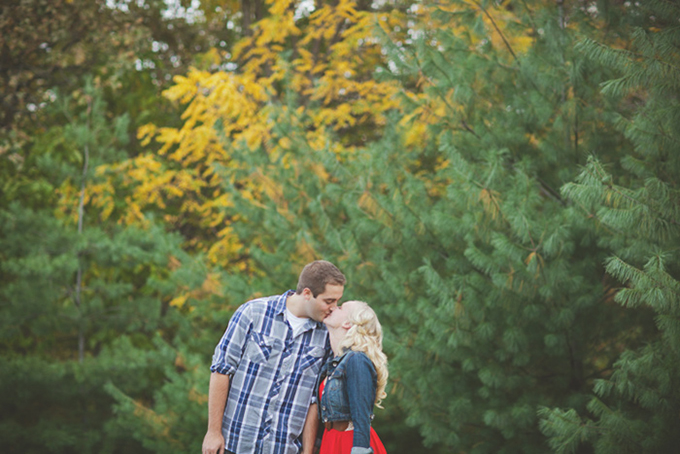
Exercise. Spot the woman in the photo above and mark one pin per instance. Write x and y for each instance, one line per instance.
(352, 382)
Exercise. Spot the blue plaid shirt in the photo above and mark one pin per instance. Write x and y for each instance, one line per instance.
(272, 376)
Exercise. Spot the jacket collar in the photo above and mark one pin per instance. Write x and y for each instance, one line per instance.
(336, 360)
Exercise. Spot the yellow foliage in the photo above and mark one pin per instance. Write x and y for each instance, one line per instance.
(319, 170)
(145, 133)
(416, 134)
(195, 396)
(67, 201)
(370, 205)
(334, 54)
(179, 301)
(489, 199)
(211, 286)
(158, 422)
(536, 261)
(224, 250)
(305, 253)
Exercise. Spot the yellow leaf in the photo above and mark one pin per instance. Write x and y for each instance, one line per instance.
(489, 200)
(178, 301)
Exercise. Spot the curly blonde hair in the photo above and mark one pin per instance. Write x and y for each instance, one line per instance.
(365, 335)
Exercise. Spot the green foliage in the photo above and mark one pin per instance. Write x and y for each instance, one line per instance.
(178, 413)
(54, 44)
(636, 214)
(80, 306)
(124, 305)
(78, 79)
(483, 274)
(514, 223)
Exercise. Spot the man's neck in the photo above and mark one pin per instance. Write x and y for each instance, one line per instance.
(295, 304)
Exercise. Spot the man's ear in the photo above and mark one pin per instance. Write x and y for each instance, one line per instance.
(307, 293)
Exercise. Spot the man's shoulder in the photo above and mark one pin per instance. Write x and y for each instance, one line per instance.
(262, 301)
(261, 306)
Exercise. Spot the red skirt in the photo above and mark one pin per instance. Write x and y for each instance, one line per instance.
(341, 442)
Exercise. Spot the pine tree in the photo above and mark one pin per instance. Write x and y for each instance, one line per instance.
(84, 302)
(490, 283)
(493, 285)
(634, 209)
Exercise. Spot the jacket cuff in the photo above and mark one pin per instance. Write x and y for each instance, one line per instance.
(360, 450)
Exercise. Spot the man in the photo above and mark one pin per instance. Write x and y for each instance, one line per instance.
(264, 369)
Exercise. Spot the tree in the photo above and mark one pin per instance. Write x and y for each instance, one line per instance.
(53, 44)
(456, 159)
(130, 49)
(314, 59)
(83, 302)
(298, 80)
(451, 221)
(635, 212)
(90, 307)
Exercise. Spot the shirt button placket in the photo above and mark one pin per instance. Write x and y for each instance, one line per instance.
(266, 439)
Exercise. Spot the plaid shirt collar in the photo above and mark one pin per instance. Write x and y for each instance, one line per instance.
(280, 309)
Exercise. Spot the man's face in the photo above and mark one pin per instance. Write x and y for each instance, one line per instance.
(320, 307)
(340, 315)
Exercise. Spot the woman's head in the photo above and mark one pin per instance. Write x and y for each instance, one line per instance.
(363, 333)
(362, 324)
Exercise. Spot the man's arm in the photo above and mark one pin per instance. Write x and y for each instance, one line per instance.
(213, 443)
(310, 429)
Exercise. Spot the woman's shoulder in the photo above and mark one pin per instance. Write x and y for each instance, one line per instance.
(358, 359)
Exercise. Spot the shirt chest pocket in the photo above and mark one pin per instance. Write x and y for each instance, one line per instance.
(262, 349)
(312, 359)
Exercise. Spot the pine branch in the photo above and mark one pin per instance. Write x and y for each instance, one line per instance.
(618, 57)
(641, 273)
(507, 44)
(419, 65)
(552, 192)
(442, 96)
(442, 248)
(635, 201)
(590, 215)
(531, 17)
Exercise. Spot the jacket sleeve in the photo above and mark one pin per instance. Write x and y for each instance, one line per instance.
(361, 389)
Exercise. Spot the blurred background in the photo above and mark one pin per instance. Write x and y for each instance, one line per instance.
(499, 179)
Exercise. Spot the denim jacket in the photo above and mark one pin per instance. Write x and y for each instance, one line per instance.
(349, 395)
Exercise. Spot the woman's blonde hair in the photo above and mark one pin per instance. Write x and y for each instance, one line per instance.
(365, 335)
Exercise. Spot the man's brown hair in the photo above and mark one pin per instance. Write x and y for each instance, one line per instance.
(316, 275)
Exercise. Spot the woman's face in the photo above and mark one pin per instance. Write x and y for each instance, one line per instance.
(340, 315)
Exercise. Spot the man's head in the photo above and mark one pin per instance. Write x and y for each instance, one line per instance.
(320, 286)
(316, 275)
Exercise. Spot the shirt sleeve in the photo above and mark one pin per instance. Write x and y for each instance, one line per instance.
(361, 389)
(230, 349)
